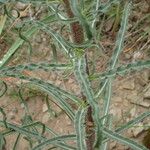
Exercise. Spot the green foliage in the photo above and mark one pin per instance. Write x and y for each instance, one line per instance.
(79, 126)
(76, 54)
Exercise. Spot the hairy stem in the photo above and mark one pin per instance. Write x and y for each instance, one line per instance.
(78, 38)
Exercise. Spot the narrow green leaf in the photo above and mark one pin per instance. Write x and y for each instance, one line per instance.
(15, 46)
(132, 122)
(82, 78)
(65, 45)
(23, 131)
(2, 141)
(122, 70)
(121, 35)
(2, 22)
(105, 7)
(39, 82)
(80, 129)
(3, 88)
(20, 41)
(56, 140)
(132, 144)
(16, 142)
(36, 66)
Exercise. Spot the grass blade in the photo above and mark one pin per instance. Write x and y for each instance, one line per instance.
(39, 82)
(2, 22)
(80, 129)
(122, 70)
(113, 135)
(56, 140)
(36, 66)
(20, 41)
(121, 35)
(15, 46)
(132, 122)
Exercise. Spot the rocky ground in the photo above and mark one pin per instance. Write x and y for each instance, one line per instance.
(131, 93)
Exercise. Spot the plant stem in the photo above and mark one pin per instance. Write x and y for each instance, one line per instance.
(78, 38)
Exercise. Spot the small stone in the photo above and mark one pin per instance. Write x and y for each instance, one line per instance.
(146, 75)
(44, 39)
(113, 144)
(109, 24)
(132, 96)
(117, 113)
(20, 6)
(129, 85)
(147, 93)
(22, 105)
(127, 56)
(14, 13)
(142, 103)
(133, 112)
(11, 116)
(44, 108)
(145, 104)
(70, 81)
(68, 121)
(45, 118)
(58, 82)
(58, 110)
(138, 55)
(38, 39)
(141, 81)
(138, 129)
(130, 132)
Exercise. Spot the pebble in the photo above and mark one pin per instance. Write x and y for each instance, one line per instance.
(45, 118)
(44, 108)
(117, 113)
(11, 116)
(141, 81)
(129, 85)
(143, 78)
(146, 75)
(58, 83)
(138, 129)
(20, 6)
(38, 39)
(127, 56)
(44, 39)
(109, 24)
(57, 109)
(70, 81)
(138, 55)
(141, 103)
(22, 105)
(68, 120)
(132, 96)
(130, 132)
(133, 112)
(14, 13)
(113, 144)
(147, 94)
